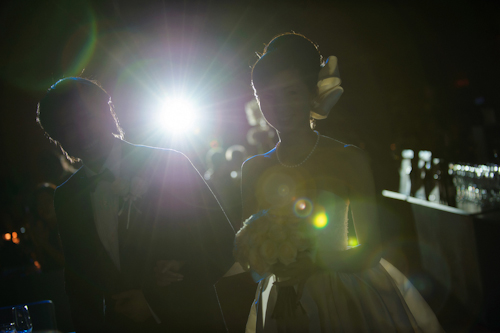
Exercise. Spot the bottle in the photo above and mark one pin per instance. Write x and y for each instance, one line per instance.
(405, 171)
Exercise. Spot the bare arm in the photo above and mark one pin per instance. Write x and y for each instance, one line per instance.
(362, 199)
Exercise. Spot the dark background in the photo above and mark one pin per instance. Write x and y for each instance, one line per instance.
(420, 75)
(416, 75)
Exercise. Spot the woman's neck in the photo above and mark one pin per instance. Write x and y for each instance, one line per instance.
(296, 145)
(95, 165)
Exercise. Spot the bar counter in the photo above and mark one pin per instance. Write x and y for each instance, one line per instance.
(451, 257)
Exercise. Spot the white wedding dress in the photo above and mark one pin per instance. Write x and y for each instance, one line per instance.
(379, 299)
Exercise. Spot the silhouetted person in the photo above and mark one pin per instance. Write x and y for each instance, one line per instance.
(126, 209)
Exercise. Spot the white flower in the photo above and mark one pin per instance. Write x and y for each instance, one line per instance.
(287, 253)
(300, 240)
(277, 232)
(265, 239)
(269, 251)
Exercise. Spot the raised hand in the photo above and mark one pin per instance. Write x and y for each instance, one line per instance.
(167, 272)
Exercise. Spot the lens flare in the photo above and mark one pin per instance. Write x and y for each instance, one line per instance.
(283, 190)
(320, 220)
(303, 207)
(57, 42)
(353, 241)
(80, 48)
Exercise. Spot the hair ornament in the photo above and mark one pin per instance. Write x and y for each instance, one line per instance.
(329, 89)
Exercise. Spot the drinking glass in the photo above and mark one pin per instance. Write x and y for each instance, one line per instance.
(8, 328)
(22, 319)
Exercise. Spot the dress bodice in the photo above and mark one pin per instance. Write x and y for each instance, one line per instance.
(284, 188)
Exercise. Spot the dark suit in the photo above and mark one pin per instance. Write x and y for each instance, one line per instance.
(177, 218)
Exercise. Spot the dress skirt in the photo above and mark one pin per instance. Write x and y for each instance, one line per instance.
(379, 299)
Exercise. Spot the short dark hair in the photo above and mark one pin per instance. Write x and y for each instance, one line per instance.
(65, 92)
(288, 51)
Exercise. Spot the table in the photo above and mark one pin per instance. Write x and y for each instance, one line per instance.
(450, 256)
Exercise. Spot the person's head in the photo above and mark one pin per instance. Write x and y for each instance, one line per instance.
(236, 155)
(285, 80)
(215, 158)
(77, 115)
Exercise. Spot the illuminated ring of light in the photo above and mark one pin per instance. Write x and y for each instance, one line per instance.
(303, 207)
(76, 66)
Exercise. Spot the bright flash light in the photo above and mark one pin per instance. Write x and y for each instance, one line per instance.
(177, 115)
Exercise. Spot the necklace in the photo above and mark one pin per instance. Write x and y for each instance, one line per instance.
(296, 165)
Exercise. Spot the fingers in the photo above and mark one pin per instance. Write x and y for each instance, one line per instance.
(166, 272)
(166, 280)
(169, 275)
(168, 265)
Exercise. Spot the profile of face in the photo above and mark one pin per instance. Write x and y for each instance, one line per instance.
(85, 130)
(285, 101)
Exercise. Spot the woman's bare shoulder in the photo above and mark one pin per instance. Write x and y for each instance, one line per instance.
(256, 164)
(337, 147)
(345, 159)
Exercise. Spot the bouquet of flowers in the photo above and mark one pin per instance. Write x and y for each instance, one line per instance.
(266, 240)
